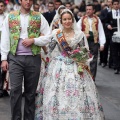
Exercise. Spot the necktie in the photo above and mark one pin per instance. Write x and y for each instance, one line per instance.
(116, 13)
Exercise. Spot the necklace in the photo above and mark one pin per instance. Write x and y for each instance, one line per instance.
(68, 34)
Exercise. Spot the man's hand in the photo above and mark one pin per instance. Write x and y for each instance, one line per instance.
(87, 35)
(28, 42)
(101, 48)
(4, 65)
(109, 27)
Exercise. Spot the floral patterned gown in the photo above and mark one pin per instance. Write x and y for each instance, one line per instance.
(63, 94)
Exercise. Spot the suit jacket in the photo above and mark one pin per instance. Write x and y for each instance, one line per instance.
(49, 16)
(112, 22)
(103, 17)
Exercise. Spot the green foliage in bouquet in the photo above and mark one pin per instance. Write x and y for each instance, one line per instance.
(80, 55)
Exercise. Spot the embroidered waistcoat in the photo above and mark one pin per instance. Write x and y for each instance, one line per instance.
(86, 26)
(15, 29)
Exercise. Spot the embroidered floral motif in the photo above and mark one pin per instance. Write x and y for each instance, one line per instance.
(86, 26)
(15, 29)
(66, 95)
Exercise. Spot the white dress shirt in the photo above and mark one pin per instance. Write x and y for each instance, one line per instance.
(24, 18)
(114, 13)
(101, 33)
(2, 17)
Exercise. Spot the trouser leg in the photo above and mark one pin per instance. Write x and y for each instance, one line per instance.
(16, 70)
(115, 54)
(94, 51)
(101, 56)
(1, 82)
(105, 52)
(2, 78)
(111, 56)
(29, 67)
(31, 78)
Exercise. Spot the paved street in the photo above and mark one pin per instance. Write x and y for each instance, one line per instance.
(108, 86)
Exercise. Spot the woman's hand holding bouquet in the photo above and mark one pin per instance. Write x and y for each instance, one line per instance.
(80, 56)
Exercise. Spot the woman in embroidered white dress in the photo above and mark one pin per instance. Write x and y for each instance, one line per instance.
(65, 94)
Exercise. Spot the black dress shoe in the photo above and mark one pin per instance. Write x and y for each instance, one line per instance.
(5, 93)
(111, 66)
(104, 64)
(1, 95)
(23, 94)
(116, 72)
(99, 63)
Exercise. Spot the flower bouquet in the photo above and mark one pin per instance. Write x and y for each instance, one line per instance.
(80, 56)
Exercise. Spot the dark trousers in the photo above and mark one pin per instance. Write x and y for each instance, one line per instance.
(27, 67)
(94, 51)
(116, 55)
(101, 57)
(104, 53)
(2, 78)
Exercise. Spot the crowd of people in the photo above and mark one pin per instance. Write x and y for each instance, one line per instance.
(30, 30)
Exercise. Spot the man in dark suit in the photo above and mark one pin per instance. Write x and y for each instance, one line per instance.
(104, 53)
(112, 27)
(51, 12)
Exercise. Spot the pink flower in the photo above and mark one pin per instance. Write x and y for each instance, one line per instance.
(90, 55)
(57, 75)
(76, 92)
(64, 54)
(67, 92)
(47, 59)
(76, 51)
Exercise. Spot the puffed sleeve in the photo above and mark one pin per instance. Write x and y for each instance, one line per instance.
(52, 44)
(83, 41)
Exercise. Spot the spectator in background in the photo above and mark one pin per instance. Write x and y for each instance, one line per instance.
(68, 6)
(104, 54)
(56, 19)
(97, 6)
(75, 12)
(10, 6)
(82, 6)
(6, 1)
(42, 8)
(112, 27)
(51, 12)
(57, 4)
(103, 6)
(17, 6)
(91, 25)
(36, 7)
(80, 15)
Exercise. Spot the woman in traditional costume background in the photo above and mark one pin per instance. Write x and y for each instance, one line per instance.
(56, 19)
